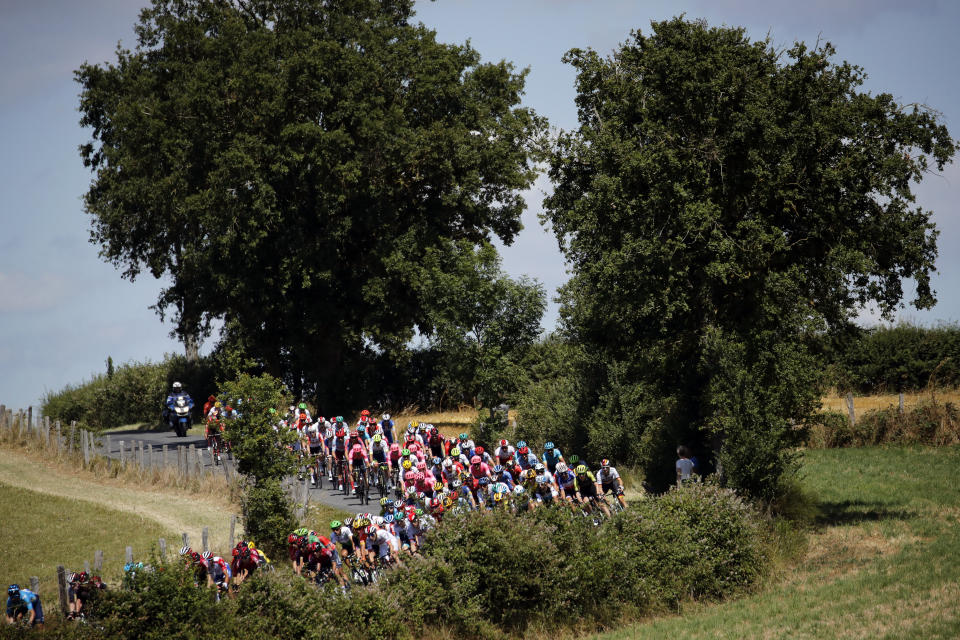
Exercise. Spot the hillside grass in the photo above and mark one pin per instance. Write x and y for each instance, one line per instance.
(41, 531)
(881, 562)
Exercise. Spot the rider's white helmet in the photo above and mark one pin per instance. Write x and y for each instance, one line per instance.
(385, 416)
(177, 386)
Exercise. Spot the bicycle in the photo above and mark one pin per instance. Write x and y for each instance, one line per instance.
(381, 482)
(215, 445)
(360, 483)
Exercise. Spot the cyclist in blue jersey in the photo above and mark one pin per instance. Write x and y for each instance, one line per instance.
(551, 456)
(23, 603)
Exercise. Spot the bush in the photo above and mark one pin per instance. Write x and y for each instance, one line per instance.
(268, 516)
(133, 393)
(927, 423)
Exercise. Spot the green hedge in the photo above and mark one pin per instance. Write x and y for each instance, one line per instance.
(927, 423)
(481, 576)
(133, 393)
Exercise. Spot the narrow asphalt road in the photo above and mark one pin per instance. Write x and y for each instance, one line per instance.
(155, 440)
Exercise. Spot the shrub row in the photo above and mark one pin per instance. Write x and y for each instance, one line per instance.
(132, 393)
(483, 575)
(927, 423)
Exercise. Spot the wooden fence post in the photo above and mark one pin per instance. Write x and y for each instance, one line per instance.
(3, 416)
(62, 586)
(850, 411)
(35, 584)
(86, 566)
(900, 407)
(85, 441)
(107, 446)
(46, 432)
(200, 463)
(186, 539)
(97, 560)
(191, 458)
(29, 418)
(233, 526)
(59, 438)
(205, 537)
(73, 434)
(163, 549)
(164, 450)
(123, 454)
(129, 554)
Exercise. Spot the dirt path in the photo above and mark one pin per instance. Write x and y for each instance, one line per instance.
(176, 512)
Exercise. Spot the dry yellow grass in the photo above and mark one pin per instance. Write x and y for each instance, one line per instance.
(836, 402)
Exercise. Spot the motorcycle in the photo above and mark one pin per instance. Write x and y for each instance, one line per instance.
(179, 415)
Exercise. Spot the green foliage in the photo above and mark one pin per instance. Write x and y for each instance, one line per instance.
(268, 516)
(902, 357)
(259, 449)
(720, 206)
(484, 322)
(297, 158)
(134, 392)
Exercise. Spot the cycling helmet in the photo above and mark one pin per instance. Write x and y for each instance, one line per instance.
(447, 502)
(420, 476)
(385, 416)
(498, 469)
(498, 497)
(388, 518)
(539, 467)
(410, 427)
(463, 437)
(185, 550)
(365, 412)
(377, 520)
(410, 475)
(561, 467)
(530, 473)
(377, 438)
(518, 490)
(361, 428)
(438, 486)
(484, 481)
(455, 452)
(335, 524)
(421, 496)
(411, 491)
(72, 578)
(206, 555)
(435, 461)
(312, 547)
(13, 591)
(581, 469)
(574, 459)
(604, 463)
(541, 479)
(339, 418)
(302, 405)
(405, 453)
(390, 503)
(272, 411)
(383, 502)
(341, 433)
(347, 522)
(548, 446)
(447, 463)
(292, 539)
(504, 443)
(434, 431)
(394, 447)
(524, 450)
(406, 464)
(358, 524)
(418, 512)
(415, 424)
(217, 404)
(475, 460)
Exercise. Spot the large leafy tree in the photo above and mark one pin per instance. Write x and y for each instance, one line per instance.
(721, 204)
(286, 163)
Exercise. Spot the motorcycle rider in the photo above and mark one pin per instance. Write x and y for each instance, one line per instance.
(176, 392)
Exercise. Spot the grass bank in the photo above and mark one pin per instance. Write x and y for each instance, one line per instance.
(881, 563)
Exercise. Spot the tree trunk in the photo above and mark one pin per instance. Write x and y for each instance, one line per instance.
(191, 346)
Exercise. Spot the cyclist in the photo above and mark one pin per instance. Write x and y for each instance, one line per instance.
(81, 589)
(386, 428)
(436, 443)
(218, 572)
(339, 452)
(23, 603)
(484, 456)
(588, 488)
(379, 455)
(610, 481)
(479, 468)
(214, 430)
(566, 482)
(357, 460)
(525, 458)
(551, 456)
(504, 453)
(502, 475)
(545, 491)
(314, 444)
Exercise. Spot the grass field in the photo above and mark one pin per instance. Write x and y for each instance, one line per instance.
(835, 402)
(40, 531)
(882, 563)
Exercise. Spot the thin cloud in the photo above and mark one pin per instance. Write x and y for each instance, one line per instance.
(20, 292)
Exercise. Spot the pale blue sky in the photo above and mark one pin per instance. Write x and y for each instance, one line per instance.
(62, 310)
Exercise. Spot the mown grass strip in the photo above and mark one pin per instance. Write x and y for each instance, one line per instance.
(881, 564)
